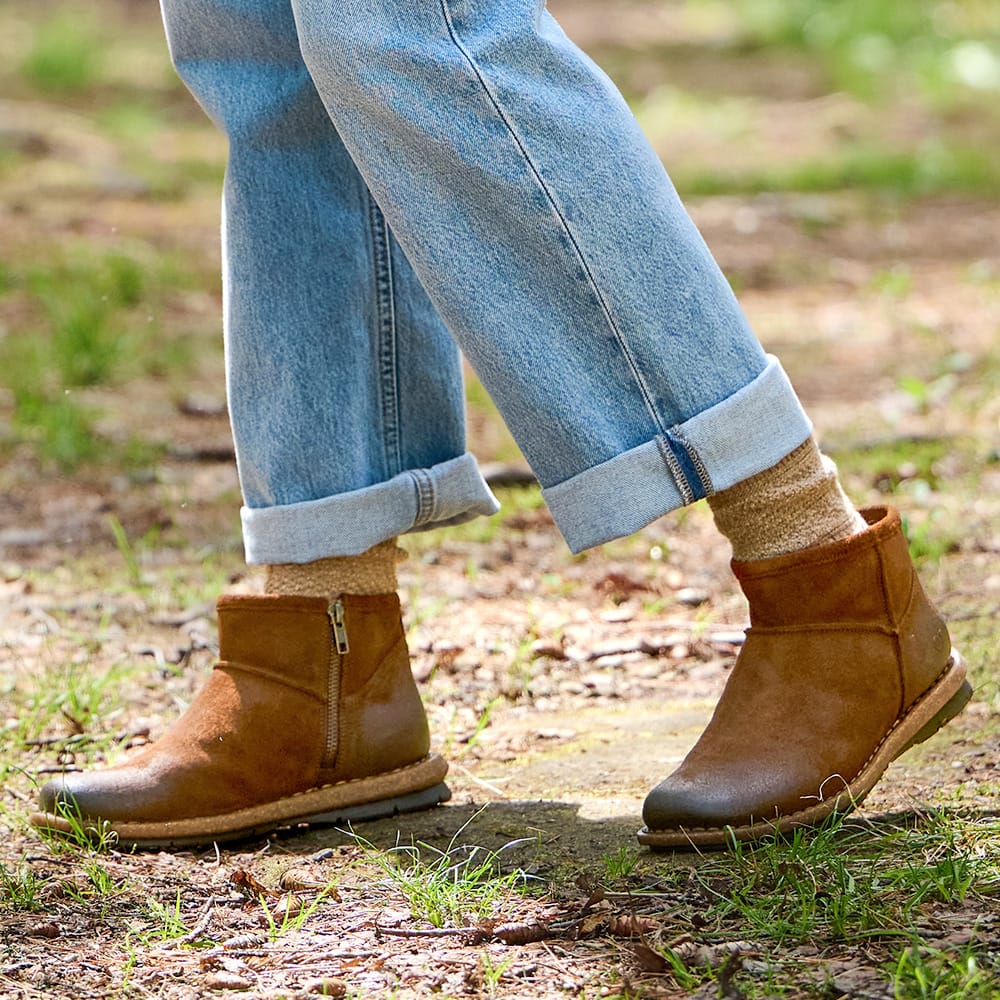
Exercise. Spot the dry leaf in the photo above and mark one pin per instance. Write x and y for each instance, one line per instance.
(288, 906)
(249, 885)
(590, 923)
(712, 956)
(241, 941)
(48, 929)
(618, 586)
(631, 925)
(303, 880)
(326, 986)
(649, 960)
(225, 981)
(521, 933)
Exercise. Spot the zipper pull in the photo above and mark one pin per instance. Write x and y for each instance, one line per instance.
(336, 613)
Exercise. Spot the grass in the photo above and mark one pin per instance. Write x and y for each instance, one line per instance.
(75, 303)
(621, 863)
(166, 920)
(65, 54)
(922, 973)
(19, 888)
(461, 885)
(889, 463)
(291, 913)
(61, 695)
(83, 842)
(848, 883)
(798, 889)
(936, 66)
(932, 168)
(81, 322)
(871, 49)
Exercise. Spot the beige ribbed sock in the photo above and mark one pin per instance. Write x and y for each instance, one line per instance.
(793, 505)
(372, 572)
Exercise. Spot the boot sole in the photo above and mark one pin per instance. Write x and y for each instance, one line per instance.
(937, 706)
(407, 789)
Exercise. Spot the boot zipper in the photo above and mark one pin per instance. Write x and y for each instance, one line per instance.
(339, 628)
(339, 647)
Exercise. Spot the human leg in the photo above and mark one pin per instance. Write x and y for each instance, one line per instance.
(335, 362)
(624, 416)
(554, 245)
(335, 356)
(552, 242)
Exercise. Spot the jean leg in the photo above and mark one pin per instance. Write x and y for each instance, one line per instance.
(344, 386)
(551, 240)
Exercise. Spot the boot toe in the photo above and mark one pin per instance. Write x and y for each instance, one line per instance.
(714, 798)
(52, 795)
(678, 803)
(99, 795)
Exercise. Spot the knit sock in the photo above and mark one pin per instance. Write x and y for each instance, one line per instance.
(372, 572)
(793, 505)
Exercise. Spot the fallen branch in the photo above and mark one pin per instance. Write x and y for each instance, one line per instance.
(199, 928)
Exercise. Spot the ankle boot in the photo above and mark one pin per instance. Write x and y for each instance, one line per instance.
(846, 665)
(310, 716)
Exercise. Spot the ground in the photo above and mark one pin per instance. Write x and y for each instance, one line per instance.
(860, 233)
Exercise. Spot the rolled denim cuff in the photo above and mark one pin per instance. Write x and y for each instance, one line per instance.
(744, 434)
(351, 523)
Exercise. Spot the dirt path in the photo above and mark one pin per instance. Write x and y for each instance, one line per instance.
(561, 688)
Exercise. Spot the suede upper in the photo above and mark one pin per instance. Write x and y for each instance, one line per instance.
(842, 643)
(264, 726)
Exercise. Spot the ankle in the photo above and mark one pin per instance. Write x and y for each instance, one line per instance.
(370, 573)
(794, 505)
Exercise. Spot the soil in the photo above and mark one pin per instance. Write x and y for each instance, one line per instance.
(561, 688)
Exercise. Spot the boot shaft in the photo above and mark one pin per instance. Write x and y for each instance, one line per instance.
(866, 582)
(350, 654)
(867, 578)
(286, 639)
(295, 639)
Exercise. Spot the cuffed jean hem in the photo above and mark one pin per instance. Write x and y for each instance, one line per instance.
(351, 523)
(746, 433)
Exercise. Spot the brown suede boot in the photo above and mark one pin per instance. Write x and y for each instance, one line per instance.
(846, 665)
(310, 716)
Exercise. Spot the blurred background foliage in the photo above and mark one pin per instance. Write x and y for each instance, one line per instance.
(107, 167)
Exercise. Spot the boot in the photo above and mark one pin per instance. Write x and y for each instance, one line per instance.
(310, 716)
(846, 665)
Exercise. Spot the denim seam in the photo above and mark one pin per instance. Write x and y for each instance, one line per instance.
(706, 480)
(676, 472)
(560, 216)
(386, 330)
(425, 497)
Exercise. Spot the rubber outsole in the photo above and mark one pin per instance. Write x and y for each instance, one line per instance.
(937, 706)
(408, 789)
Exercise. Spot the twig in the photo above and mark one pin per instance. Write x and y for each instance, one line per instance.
(75, 739)
(200, 925)
(418, 933)
(560, 967)
(479, 781)
(639, 894)
(44, 859)
(321, 961)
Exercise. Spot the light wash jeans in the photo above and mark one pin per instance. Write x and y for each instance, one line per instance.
(408, 175)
